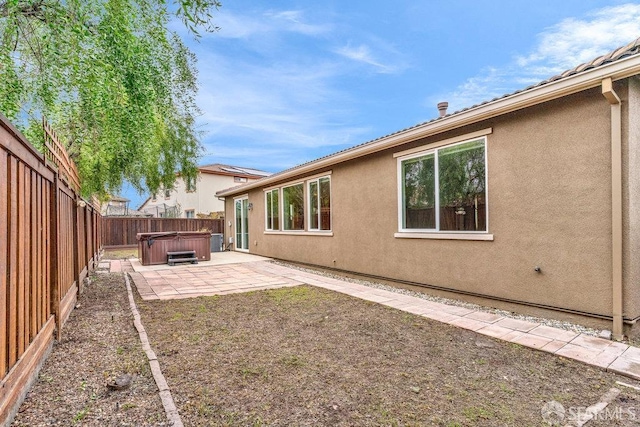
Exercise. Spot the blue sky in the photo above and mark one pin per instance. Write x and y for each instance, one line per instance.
(285, 82)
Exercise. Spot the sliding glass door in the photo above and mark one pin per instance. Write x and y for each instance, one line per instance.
(242, 224)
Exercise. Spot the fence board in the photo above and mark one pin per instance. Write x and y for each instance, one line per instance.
(12, 287)
(4, 243)
(26, 258)
(21, 242)
(37, 309)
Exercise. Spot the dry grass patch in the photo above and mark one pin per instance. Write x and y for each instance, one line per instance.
(123, 253)
(306, 356)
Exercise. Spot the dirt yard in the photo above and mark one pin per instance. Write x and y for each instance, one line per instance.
(306, 356)
(99, 343)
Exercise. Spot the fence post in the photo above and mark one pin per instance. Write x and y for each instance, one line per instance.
(88, 234)
(55, 279)
(76, 243)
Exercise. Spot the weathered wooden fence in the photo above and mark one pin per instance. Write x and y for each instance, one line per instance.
(49, 241)
(120, 231)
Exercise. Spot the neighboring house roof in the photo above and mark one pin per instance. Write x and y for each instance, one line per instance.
(220, 169)
(619, 64)
(116, 210)
(118, 199)
(144, 203)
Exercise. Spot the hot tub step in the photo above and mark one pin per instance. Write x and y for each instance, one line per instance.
(182, 256)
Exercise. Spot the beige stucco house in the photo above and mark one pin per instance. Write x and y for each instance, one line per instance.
(188, 201)
(531, 199)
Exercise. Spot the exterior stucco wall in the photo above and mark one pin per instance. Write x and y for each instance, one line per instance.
(549, 205)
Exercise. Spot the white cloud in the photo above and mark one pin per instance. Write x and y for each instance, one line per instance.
(565, 45)
(239, 27)
(236, 26)
(362, 53)
(574, 41)
(294, 21)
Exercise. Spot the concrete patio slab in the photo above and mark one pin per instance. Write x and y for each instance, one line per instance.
(217, 258)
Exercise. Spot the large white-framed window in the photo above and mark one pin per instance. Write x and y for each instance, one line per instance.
(272, 209)
(301, 207)
(319, 196)
(293, 207)
(443, 190)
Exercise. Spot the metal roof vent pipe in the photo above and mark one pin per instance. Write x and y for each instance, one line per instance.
(442, 108)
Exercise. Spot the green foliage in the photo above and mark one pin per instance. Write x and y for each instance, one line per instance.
(462, 174)
(112, 79)
(461, 177)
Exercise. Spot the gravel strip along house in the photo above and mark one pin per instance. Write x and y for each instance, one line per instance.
(532, 198)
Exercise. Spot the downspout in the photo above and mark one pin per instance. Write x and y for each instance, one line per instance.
(616, 204)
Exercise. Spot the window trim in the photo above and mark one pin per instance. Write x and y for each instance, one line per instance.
(326, 233)
(308, 201)
(186, 213)
(436, 233)
(461, 235)
(449, 141)
(235, 223)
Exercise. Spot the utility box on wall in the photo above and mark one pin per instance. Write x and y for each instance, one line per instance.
(216, 242)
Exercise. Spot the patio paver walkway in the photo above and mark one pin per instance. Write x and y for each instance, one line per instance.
(186, 281)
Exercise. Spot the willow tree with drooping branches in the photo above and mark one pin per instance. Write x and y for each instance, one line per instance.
(112, 78)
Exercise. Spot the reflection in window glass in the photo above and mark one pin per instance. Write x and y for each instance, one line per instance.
(461, 176)
(293, 207)
(325, 203)
(320, 204)
(419, 193)
(313, 205)
(272, 209)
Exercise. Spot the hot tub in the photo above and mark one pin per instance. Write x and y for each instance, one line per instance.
(153, 247)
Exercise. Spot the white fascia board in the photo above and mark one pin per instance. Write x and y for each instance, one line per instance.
(617, 70)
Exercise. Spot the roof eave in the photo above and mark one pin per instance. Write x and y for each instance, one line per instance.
(617, 70)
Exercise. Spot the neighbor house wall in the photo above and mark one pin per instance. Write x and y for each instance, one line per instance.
(549, 205)
(201, 201)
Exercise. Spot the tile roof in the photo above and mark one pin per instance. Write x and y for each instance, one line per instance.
(237, 170)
